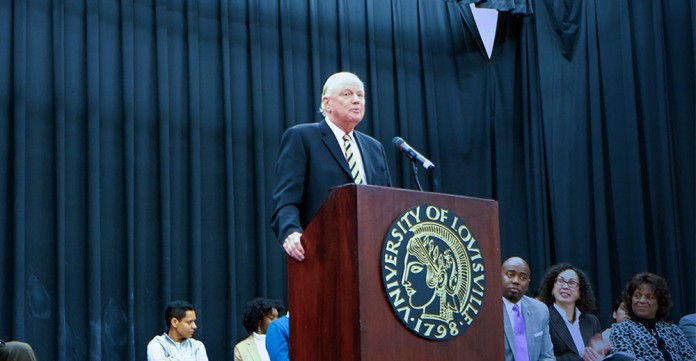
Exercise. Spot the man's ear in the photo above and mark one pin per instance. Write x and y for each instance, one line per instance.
(175, 321)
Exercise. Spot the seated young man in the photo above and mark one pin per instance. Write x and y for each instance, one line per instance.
(177, 344)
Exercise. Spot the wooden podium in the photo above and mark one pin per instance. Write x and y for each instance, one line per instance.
(337, 300)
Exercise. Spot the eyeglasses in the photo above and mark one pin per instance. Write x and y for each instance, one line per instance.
(571, 282)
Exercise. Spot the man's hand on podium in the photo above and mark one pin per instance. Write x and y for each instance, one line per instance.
(293, 246)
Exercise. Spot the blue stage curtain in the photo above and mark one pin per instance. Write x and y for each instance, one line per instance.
(138, 142)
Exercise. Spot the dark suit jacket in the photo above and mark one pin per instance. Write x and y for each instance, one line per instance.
(310, 162)
(563, 345)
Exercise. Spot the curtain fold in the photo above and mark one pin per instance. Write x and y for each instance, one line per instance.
(138, 143)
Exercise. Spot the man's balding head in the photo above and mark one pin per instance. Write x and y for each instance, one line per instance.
(515, 276)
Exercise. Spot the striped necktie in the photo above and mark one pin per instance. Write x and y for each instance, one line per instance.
(352, 164)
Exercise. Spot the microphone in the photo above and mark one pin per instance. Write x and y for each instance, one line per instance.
(411, 153)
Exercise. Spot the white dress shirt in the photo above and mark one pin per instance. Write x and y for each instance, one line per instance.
(338, 133)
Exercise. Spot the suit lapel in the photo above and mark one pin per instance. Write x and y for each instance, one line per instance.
(529, 323)
(330, 142)
(559, 325)
(365, 157)
(509, 333)
(250, 350)
(585, 327)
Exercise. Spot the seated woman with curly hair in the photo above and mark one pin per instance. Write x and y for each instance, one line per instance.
(647, 335)
(567, 291)
(258, 314)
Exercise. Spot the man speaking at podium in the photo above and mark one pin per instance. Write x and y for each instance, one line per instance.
(316, 157)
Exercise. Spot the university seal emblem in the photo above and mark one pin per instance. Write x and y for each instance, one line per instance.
(433, 273)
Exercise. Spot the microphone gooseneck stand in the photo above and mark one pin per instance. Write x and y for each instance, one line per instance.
(414, 167)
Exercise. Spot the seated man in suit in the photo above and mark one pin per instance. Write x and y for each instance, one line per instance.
(526, 320)
(316, 157)
(688, 326)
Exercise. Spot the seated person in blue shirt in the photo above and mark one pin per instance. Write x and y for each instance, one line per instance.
(278, 339)
(177, 343)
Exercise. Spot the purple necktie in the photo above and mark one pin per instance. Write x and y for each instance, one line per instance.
(521, 353)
